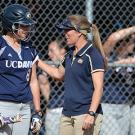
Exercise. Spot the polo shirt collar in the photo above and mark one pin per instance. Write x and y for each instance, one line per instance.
(85, 48)
(82, 51)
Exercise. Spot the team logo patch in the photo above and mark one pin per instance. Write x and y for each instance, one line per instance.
(80, 61)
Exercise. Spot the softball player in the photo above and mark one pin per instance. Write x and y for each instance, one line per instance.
(83, 72)
(119, 105)
(18, 81)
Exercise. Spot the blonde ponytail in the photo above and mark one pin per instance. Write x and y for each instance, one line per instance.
(97, 42)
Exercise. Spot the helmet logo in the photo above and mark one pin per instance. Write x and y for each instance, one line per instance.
(28, 15)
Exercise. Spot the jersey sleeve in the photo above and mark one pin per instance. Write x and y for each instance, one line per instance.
(36, 56)
(96, 60)
(32, 50)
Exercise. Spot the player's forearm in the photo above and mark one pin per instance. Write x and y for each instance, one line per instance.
(130, 60)
(36, 95)
(116, 37)
(121, 34)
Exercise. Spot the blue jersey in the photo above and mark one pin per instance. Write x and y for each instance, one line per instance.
(78, 82)
(119, 85)
(119, 82)
(15, 70)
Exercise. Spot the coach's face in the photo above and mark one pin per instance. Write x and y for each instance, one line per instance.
(71, 36)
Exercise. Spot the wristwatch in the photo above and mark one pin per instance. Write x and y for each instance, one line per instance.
(91, 113)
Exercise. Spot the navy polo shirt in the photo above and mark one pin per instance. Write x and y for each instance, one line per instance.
(78, 83)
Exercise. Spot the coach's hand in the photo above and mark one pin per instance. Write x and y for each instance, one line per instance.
(36, 122)
(88, 122)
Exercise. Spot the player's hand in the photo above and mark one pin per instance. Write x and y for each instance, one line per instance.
(36, 122)
(88, 122)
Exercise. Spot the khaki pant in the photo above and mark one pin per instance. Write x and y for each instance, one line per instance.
(73, 125)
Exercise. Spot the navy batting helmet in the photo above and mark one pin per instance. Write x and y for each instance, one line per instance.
(16, 14)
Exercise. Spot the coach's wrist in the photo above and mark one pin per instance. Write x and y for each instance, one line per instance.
(91, 113)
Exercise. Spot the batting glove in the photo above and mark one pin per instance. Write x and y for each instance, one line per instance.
(36, 122)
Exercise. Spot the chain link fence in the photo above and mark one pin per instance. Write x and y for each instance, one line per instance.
(112, 15)
(108, 15)
(119, 87)
(118, 101)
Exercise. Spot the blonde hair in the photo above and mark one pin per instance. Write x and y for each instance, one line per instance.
(82, 25)
(97, 42)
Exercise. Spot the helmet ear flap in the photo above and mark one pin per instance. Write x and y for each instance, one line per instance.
(15, 27)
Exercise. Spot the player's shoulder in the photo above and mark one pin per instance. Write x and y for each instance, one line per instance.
(1, 38)
(2, 41)
(29, 47)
